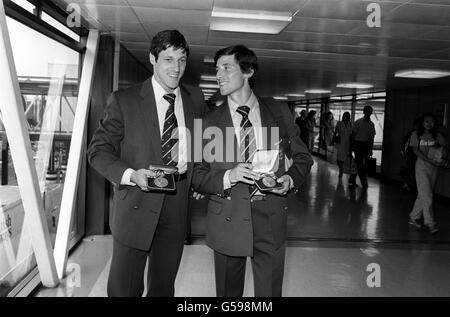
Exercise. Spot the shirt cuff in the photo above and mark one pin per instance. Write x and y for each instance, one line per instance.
(226, 180)
(126, 177)
(291, 182)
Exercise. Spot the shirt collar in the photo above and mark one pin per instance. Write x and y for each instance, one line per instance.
(160, 92)
(252, 102)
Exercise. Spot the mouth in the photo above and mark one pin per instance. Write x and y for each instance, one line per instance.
(173, 75)
(222, 83)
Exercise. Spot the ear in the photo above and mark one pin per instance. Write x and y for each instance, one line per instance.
(249, 74)
(152, 59)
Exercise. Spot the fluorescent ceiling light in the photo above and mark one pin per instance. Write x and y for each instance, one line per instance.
(208, 77)
(247, 26)
(208, 60)
(209, 85)
(249, 21)
(354, 85)
(422, 73)
(209, 90)
(251, 14)
(295, 95)
(280, 98)
(318, 91)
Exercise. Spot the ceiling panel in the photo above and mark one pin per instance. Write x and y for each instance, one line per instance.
(263, 5)
(395, 30)
(421, 14)
(305, 24)
(131, 37)
(327, 42)
(106, 13)
(173, 16)
(348, 9)
(174, 4)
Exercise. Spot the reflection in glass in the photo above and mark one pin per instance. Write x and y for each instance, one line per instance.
(49, 86)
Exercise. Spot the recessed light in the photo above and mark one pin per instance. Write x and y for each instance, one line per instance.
(249, 21)
(295, 95)
(354, 85)
(318, 91)
(209, 85)
(422, 73)
(251, 14)
(208, 60)
(280, 98)
(209, 90)
(208, 77)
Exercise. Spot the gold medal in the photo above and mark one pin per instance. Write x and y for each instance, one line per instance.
(161, 182)
(269, 181)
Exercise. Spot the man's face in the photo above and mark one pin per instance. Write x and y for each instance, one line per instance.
(169, 68)
(229, 75)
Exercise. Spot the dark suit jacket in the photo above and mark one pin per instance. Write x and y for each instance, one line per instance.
(229, 221)
(129, 137)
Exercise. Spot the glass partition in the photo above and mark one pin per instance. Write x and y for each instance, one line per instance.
(48, 75)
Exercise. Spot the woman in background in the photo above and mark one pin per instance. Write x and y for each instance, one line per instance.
(425, 141)
(310, 124)
(341, 137)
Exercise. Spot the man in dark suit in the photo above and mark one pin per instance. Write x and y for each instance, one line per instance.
(240, 223)
(139, 129)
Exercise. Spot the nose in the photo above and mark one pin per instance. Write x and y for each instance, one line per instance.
(176, 66)
(219, 74)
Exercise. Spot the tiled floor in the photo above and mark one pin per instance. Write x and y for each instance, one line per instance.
(326, 209)
(337, 236)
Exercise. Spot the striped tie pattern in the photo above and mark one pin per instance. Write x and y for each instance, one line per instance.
(247, 135)
(169, 140)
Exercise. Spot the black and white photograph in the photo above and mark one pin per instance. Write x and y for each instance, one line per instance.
(228, 154)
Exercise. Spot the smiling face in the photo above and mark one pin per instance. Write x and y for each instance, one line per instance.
(169, 67)
(428, 123)
(231, 79)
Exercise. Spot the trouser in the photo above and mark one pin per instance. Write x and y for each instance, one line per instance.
(426, 175)
(341, 167)
(361, 150)
(126, 276)
(267, 261)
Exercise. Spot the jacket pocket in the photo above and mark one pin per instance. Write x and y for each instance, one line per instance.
(215, 207)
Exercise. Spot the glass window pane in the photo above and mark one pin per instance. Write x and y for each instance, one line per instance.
(48, 78)
(53, 22)
(25, 4)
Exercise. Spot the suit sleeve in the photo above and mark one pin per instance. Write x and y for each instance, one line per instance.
(301, 158)
(206, 180)
(104, 149)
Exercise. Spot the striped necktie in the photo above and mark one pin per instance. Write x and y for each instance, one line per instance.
(169, 140)
(247, 142)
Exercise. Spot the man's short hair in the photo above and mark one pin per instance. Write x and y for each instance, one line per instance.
(168, 38)
(368, 109)
(244, 56)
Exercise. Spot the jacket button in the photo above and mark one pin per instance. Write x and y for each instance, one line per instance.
(228, 219)
(286, 208)
(136, 207)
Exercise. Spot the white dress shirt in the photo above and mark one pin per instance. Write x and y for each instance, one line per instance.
(254, 116)
(161, 106)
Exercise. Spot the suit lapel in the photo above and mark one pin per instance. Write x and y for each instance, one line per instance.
(267, 121)
(188, 111)
(149, 112)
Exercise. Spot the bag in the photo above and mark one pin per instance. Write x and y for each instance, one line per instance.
(350, 165)
(336, 139)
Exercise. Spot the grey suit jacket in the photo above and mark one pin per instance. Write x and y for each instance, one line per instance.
(229, 221)
(129, 137)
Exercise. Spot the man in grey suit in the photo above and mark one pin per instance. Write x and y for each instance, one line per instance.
(137, 131)
(241, 224)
